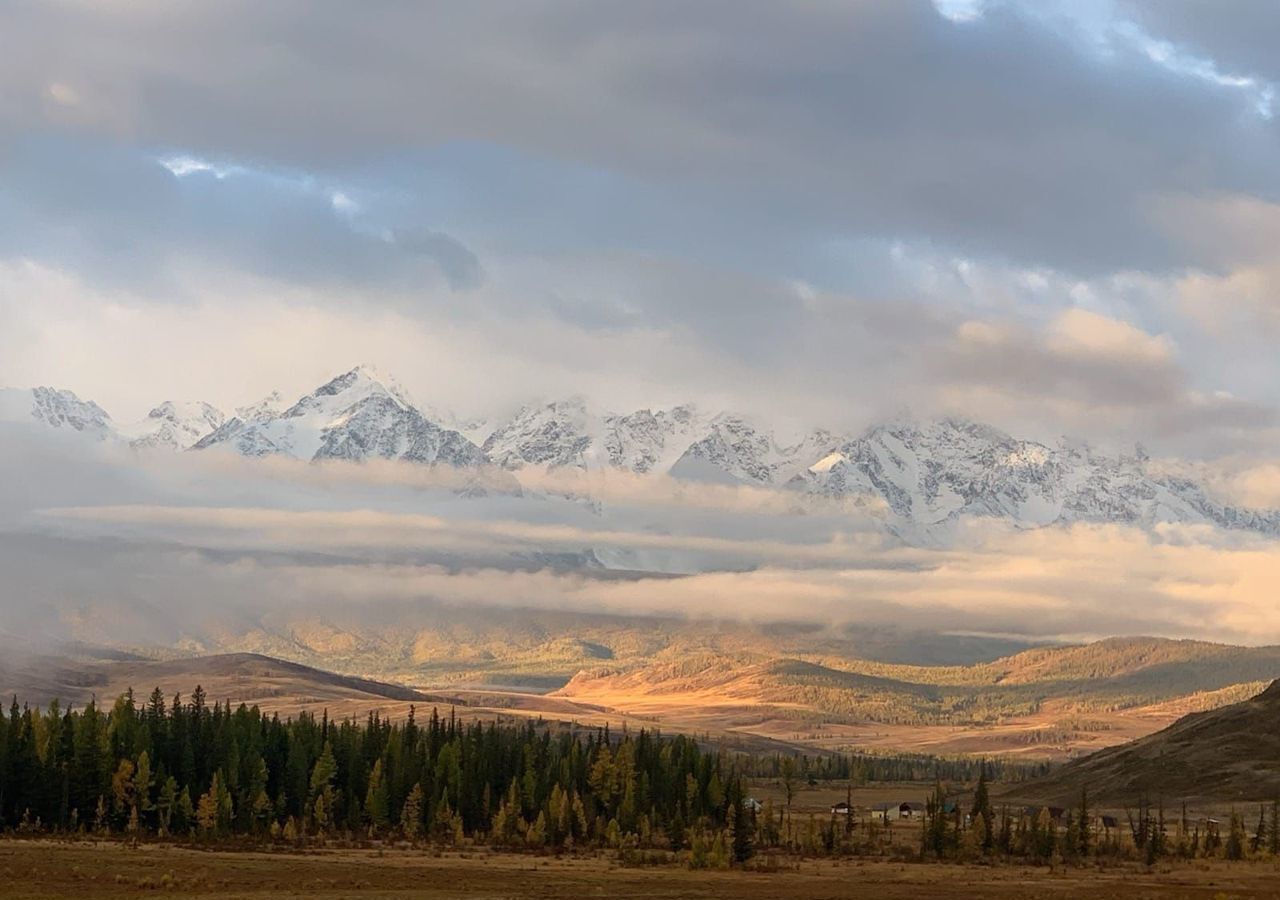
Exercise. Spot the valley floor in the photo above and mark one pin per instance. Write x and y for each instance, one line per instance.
(42, 870)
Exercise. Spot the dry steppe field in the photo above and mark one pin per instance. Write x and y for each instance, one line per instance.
(42, 870)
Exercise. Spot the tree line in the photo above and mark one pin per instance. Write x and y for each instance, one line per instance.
(866, 768)
(950, 829)
(185, 768)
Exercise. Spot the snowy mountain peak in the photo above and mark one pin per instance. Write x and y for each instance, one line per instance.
(56, 409)
(651, 440)
(474, 428)
(175, 425)
(736, 449)
(355, 386)
(171, 411)
(271, 405)
(554, 434)
(65, 409)
(357, 415)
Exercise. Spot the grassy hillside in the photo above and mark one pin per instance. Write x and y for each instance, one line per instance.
(429, 644)
(238, 677)
(834, 688)
(1227, 755)
(1072, 682)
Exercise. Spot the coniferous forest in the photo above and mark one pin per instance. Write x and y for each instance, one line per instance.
(190, 770)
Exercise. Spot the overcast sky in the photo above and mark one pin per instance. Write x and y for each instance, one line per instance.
(1060, 217)
(1056, 216)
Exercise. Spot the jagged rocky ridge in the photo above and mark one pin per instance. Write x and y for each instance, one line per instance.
(924, 477)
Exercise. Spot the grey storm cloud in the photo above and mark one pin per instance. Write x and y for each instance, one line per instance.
(1000, 136)
(124, 217)
(1240, 35)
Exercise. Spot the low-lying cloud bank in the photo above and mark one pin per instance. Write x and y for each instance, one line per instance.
(95, 546)
(1085, 581)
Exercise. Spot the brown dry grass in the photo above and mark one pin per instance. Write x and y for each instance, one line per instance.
(718, 712)
(758, 691)
(42, 870)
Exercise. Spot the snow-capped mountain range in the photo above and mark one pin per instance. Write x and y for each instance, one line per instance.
(931, 475)
(925, 476)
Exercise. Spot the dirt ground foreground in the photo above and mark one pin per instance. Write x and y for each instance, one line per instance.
(49, 869)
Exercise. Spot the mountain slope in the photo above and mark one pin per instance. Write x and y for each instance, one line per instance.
(1231, 754)
(650, 441)
(562, 433)
(239, 677)
(735, 450)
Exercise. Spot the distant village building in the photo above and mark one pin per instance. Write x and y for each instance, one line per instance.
(951, 809)
(842, 809)
(884, 812)
(1031, 813)
(910, 810)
